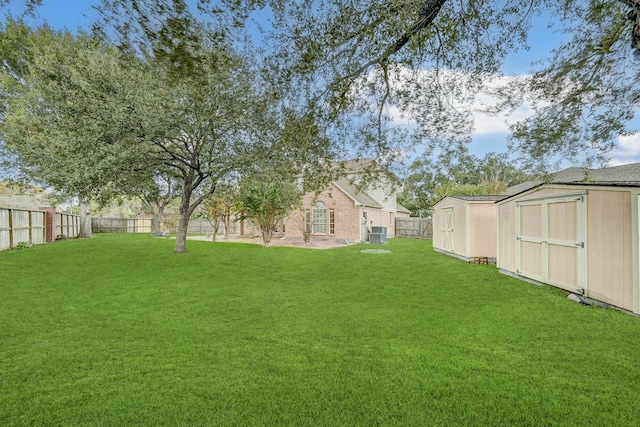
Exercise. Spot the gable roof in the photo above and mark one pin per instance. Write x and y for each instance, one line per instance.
(625, 175)
(489, 198)
(359, 197)
(400, 208)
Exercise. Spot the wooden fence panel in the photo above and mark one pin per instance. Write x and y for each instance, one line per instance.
(144, 225)
(17, 226)
(38, 227)
(417, 228)
(67, 225)
(202, 226)
(21, 226)
(121, 225)
(5, 229)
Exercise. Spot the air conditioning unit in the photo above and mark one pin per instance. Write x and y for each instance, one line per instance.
(378, 235)
(376, 238)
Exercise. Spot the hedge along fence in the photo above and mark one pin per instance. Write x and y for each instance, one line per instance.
(419, 228)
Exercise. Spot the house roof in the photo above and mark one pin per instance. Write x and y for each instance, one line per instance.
(360, 197)
(358, 165)
(400, 208)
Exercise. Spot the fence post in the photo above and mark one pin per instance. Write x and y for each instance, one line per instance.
(11, 228)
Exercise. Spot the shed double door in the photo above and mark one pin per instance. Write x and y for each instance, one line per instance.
(550, 240)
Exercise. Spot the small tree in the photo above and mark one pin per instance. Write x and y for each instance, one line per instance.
(267, 203)
(218, 208)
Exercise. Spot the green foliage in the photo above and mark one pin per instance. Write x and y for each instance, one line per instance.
(97, 123)
(219, 208)
(460, 174)
(23, 245)
(587, 94)
(236, 334)
(267, 203)
(68, 116)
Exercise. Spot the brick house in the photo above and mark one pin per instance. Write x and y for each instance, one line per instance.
(343, 210)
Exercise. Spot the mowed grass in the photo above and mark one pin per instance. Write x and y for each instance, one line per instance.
(119, 330)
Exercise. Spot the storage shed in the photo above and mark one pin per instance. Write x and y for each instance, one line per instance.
(579, 233)
(465, 226)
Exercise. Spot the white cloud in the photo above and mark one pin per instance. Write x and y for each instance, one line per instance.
(495, 127)
(485, 122)
(627, 150)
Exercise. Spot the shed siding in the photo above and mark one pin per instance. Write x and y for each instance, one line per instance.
(610, 271)
(482, 229)
(458, 238)
(608, 244)
(507, 226)
(474, 228)
(507, 236)
(436, 220)
(459, 227)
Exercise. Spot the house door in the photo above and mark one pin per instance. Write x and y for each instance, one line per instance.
(446, 228)
(550, 235)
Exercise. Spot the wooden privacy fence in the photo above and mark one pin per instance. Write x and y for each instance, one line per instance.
(145, 225)
(67, 225)
(418, 228)
(17, 226)
(30, 226)
(121, 225)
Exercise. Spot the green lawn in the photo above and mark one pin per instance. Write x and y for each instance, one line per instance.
(119, 330)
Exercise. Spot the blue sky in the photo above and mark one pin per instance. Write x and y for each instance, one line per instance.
(491, 132)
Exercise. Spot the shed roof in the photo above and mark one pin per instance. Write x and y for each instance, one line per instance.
(625, 175)
(491, 198)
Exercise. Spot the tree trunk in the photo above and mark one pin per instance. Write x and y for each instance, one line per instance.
(85, 221)
(158, 215)
(227, 225)
(183, 223)
(157, 223)
(216, 225)
(181, 234)
(267, 233)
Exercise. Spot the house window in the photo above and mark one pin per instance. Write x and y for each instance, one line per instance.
(332, 221)
(319, 218)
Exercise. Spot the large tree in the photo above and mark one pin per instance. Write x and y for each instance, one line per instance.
(423, 62)
(94, 121)
(65, 108)
(457, 173)
(588, 92)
